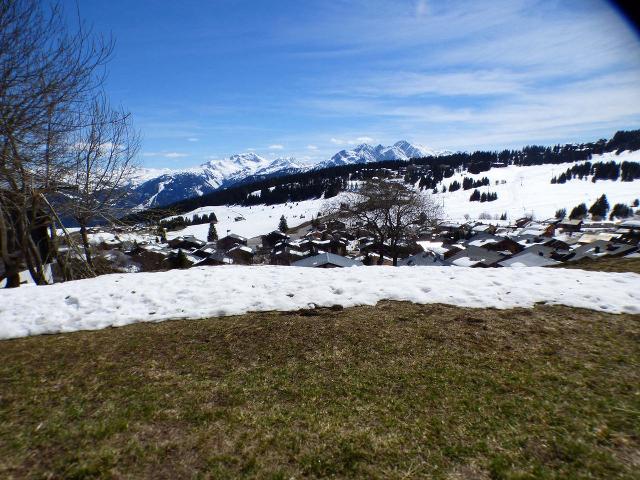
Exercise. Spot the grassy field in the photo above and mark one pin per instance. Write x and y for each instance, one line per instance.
(393, 391)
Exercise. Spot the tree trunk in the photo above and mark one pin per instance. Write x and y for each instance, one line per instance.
(85, 245)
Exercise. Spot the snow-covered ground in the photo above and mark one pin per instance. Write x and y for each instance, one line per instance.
(258, 219)
(121, 299)
(528, 190)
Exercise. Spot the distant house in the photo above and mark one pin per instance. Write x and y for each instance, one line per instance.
(271, 239)
(475, 257)
(423, 259)
(186, 242)
(601, 248)
(288, 256)
(327, 260)
(528, 259)
(214, 259)
(241, 254)
(504, 244)
(570, 225)
(230, 241)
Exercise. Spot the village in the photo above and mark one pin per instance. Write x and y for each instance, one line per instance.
(332, 243)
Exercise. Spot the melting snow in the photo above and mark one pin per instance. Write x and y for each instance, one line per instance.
(121, 299)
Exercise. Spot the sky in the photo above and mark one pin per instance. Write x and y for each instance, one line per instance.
(205, 79)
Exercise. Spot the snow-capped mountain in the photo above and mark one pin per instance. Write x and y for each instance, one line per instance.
(159, 187)
(366, 153)
(162, 187)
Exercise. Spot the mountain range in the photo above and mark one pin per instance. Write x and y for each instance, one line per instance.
(154, 188)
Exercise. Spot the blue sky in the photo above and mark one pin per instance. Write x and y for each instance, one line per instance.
(208, 78)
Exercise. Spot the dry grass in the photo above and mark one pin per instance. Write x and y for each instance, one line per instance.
(393, 391)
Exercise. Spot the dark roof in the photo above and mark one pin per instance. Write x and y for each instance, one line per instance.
(477, 254)
(422, 259)
(327, 258)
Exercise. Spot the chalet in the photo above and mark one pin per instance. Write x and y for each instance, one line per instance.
(230, 241)
(241, 254)
(186, 242)
(327, 260)
(599, 249)
(504, 244)
(528, 259)
(271, 239)
(570, 225)
(288, 256)
(214, 259)
(423, 259)
(475, 257)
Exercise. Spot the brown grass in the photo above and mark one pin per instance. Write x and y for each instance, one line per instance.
(393, 391)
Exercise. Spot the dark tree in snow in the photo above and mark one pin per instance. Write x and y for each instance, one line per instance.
(561, 213)
(212, 236)
(620, 210)
(181, 260)
(600, 207)
(579, 212)
(282, 226)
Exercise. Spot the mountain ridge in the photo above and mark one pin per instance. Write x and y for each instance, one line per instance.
(159, 187)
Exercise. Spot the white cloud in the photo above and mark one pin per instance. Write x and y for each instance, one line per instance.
(276, 146)
(192, 139)
(165, 154)
(312, 147)
(352, 141)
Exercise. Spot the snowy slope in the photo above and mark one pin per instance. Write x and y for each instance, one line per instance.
(121, 299)
(528, 190)
(259, 219)
(161, 187)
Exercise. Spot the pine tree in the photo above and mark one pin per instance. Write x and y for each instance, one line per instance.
(600, 207)
(620, 210)
(475, 196)
(579, 212)
(561, 213)
(181, 260)
(212, 236)
(282, 226)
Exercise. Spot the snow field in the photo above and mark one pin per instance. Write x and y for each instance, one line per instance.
(259, 219)
(121, 299)
(528, 190)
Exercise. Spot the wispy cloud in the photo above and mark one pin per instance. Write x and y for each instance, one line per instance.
(421, 8)
(276, 146)
(352, 141)
(165, 154)
(192, 139)
(312, 147)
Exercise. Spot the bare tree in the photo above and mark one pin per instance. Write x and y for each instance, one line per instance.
(389, 210)
(49, 73)
(103, 161)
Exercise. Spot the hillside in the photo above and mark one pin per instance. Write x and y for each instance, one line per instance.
(434, 172)
(521, 190)
(157, 188)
